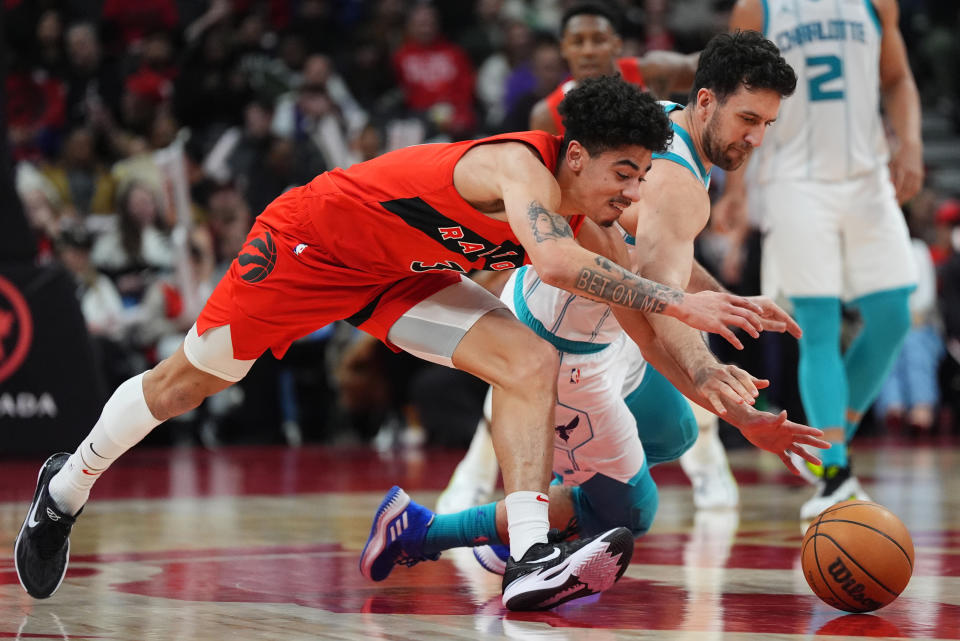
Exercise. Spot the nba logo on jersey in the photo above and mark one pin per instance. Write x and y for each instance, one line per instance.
(575, 375)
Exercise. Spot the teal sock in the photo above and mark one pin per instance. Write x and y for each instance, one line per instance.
(836, 455)
(476, 526)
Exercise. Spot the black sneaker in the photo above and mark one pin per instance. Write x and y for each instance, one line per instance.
(42, 550)
(553, 573)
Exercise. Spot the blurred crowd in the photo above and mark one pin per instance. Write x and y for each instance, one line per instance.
(147, 134)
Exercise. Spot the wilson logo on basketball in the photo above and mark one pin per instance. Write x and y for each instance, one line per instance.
(260, 254)
(16, 329)
(846, 582)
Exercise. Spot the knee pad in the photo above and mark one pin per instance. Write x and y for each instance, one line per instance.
(602, 503)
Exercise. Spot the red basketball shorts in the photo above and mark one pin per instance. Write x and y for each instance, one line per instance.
(283, 286)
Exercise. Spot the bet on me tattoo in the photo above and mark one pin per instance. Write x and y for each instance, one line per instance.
(615, 285)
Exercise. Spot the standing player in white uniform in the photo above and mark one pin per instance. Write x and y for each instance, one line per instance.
(834, 233)
(615, 414)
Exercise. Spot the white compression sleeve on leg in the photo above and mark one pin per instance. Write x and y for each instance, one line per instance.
(124, 422)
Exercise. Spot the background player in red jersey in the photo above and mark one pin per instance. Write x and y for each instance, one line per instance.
(384, 244)
(590, 43)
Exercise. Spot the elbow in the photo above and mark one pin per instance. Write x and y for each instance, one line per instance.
(554, 272)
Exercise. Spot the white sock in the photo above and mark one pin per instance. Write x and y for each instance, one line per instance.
(528, 520)
(123, 423)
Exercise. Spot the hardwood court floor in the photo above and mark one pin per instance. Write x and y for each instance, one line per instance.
(263, 543)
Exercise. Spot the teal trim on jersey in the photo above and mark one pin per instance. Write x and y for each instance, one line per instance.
(670, 106)
(528, 319)
(630, 240)
(766, 16)
(680, 160)
(677, 129)
(872, 12)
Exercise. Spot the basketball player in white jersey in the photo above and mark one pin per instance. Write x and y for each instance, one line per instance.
(616, 415)
(833, 231)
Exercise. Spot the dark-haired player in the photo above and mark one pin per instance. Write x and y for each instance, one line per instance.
(590, 43)
(614, 414)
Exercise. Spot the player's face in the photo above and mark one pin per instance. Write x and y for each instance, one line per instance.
(590, 46)
(611, 182)
(737, 126)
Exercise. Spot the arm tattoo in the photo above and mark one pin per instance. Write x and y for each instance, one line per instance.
(614, 285)
(546, 225)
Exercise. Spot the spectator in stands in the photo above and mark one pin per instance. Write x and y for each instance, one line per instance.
(210, 90)
(36, 111)
(138, 248)
(506, 74)
(103, 311)
(911, 392)
(83, 183)
(950, 305)
(548, 69)
(485, 35)
(43, 208)
(127, 23)
(93, 84)
(436, 75)
(322, 111)
(237, 152)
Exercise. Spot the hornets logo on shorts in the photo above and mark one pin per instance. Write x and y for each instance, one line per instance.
(260, 254)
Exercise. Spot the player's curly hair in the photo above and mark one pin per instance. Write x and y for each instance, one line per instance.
(744, 57)
(608, 113)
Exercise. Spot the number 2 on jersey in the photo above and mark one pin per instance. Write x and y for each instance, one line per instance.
(833, 71)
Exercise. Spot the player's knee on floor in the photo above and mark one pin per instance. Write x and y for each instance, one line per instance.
(603, 503)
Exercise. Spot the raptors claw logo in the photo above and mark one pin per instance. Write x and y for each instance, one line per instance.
(563, 431)
(261, 253)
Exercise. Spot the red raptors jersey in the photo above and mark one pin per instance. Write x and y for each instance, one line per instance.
(630, 70)
(400, 213)
(363, 244)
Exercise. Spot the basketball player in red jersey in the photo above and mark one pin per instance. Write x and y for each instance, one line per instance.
(590, 43)
(385, 244)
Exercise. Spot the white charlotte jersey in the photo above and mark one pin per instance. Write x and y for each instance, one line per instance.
(830, 129)
(574, 324)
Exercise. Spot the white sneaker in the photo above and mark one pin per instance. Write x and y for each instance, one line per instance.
(708, 469)
(714, 487)
(836, 486)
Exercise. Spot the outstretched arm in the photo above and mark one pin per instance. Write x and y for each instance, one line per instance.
(775, 319)
(711, 388)
(531, 197)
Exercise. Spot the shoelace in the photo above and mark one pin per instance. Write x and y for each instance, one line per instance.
(410, 560)
(556, 535)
